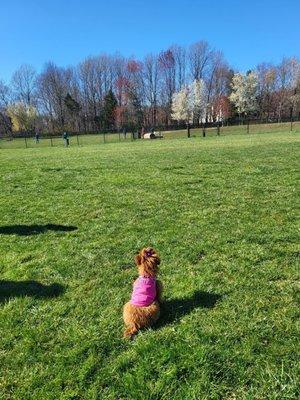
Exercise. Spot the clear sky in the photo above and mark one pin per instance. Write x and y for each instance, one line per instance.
(66, 31)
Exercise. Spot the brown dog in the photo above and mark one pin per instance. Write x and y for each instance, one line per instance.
(144, 307)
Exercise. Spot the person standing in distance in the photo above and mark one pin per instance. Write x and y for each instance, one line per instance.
(66, 138)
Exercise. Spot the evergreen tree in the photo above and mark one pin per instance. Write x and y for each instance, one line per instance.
(135, 110)
(73, 108)
(72, 105)
(109, 106)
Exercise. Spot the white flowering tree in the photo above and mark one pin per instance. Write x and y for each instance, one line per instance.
(181, 110)
(189, 104)
(244, 92)
(198, 99)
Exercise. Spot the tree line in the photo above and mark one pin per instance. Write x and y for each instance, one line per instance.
(178, 85)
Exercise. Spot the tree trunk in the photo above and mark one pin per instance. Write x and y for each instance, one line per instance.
(188, 130)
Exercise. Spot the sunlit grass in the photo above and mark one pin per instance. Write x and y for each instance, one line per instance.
(221, 211)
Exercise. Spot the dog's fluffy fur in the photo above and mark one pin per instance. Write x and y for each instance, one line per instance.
(136, 318)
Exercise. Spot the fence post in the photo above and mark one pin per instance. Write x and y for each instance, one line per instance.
(188, 130)
(203, 130)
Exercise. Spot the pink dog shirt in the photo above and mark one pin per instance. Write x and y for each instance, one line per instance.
(144, 292)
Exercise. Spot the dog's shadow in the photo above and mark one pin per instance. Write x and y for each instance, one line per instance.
(174, 309)
(10, 289)
(27, 230)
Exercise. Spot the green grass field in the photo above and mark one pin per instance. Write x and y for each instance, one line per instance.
(221, 211)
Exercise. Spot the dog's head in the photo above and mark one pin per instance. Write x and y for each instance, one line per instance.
(147, 262)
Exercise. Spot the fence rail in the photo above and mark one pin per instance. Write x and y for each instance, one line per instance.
(205, 130)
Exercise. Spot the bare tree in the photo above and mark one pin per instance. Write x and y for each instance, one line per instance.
(199, 56)
(24, 84)
(96, 77)
(151, 84)
(135, 93)
(266, 74)
(286, 71)
(5, 121)
(168, 83)
(53, 87)
(5, 95)
(179, 54)
(217, 81)
(91, 90)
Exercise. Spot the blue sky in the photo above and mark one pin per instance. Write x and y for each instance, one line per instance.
(66, 31)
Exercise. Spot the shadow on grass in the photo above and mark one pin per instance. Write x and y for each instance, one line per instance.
(26, 230)
(9, 289)
(173, 310)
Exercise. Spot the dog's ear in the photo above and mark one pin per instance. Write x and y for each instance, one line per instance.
(138, 259)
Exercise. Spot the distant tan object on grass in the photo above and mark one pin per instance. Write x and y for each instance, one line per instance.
(153, 135)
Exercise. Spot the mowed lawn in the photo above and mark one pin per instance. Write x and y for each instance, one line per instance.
(221, 211)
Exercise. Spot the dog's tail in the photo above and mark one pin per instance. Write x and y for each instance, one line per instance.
(130, 331)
